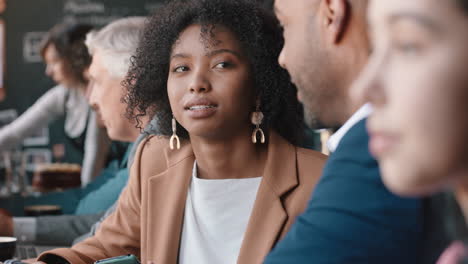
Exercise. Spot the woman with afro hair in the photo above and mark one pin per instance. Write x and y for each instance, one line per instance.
(226, 179)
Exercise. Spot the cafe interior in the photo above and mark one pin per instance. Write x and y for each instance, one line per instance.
(305, 131)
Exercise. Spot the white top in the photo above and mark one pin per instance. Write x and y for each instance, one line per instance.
(216, 217)
(360, 114)
(53, 104)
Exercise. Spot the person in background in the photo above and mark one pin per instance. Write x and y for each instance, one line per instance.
(111, 48)
(351, 217)
(417, 82)
(232, 179)
(66, 59)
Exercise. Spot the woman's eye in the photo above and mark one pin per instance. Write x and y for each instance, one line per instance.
(223, 65)
(181, 69)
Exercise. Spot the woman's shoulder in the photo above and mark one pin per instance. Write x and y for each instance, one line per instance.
(153, 146)
(56, 94)
(149, 155)
(155, 143)
(154, 154)
(310, 163)
(307, 160)
(309, 155)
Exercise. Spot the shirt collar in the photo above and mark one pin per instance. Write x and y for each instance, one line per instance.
(335, 139)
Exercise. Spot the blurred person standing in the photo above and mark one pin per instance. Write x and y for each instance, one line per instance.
(67, 60)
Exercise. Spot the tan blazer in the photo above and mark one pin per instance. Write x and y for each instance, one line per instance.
(150, 212)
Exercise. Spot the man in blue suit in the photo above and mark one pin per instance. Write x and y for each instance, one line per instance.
(351, 217)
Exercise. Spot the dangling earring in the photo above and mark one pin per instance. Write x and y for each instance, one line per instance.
(257, 119)
(174, 135)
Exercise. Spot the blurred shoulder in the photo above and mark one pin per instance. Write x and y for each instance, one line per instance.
(310, 158)
(154, 144)
(151, 154)
(154, 154)
(310, 163)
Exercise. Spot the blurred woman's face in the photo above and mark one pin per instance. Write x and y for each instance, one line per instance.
(209, 84)
(56, 67)
(417, 81)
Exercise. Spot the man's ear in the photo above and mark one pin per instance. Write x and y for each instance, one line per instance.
(336, 18)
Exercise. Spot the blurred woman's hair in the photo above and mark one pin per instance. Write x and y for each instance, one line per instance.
(68, 40)
(117, 43)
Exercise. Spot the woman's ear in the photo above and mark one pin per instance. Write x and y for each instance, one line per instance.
(336, 14)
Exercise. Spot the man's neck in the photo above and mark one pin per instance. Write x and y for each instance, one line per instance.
(351, 109)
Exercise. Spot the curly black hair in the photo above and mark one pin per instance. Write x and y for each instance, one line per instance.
(69, 41)
(261, 39)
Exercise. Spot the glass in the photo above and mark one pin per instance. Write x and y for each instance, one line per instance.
(13, 173)
(33, 160)
(5, 174)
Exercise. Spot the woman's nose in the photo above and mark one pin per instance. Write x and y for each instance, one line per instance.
(200, 84)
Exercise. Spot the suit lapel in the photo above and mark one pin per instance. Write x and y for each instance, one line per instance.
(167, 193)
(268, 217)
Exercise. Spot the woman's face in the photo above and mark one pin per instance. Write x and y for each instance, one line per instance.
(417, 81)
(56, 67)
(209, 84)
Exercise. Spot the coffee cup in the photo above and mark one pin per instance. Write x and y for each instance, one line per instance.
(7, 248)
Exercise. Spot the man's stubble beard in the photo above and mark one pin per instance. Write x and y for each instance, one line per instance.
(317, 91)
(316, 79)
(311, 120)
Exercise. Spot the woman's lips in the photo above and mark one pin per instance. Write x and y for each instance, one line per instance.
(201, 111)
(200, 108)
(381, 143)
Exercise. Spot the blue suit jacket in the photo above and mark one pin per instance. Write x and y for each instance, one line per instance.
(352, 217)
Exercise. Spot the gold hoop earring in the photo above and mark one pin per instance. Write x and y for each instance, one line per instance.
(174, 136)
(257, 119)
